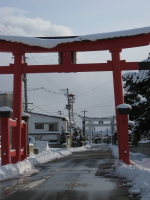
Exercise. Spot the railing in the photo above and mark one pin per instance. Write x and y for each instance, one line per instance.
(6, 152)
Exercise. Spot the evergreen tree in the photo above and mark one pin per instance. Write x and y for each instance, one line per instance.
(137, 94)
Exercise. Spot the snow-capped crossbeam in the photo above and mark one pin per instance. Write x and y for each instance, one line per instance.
(51, 42)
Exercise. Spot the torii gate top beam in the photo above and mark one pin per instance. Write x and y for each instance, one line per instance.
(96, 42)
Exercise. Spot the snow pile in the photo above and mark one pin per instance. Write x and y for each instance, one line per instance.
(28, 166)
(114, 150)
(139, 177)
(138, 173)
(51, 43)
(84, 148)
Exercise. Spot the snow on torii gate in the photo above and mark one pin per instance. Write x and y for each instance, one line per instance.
(114, 42)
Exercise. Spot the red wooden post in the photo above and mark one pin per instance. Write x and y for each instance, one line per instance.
(123, 111)
(5, 114)
(24, 141)
(17, 104)
(5, 140)
(118, 90)
(25, 135)
(124, 138)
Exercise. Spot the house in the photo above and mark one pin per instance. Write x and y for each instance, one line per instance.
(47, 127)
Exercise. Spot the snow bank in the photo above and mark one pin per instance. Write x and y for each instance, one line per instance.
(138, 173)
(28, 166)
(50, 43)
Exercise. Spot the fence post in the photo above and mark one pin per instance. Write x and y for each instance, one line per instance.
(5, 114)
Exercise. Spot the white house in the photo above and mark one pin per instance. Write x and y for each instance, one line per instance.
(47, 127)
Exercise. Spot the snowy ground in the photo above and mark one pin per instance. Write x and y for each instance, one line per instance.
(27, 166)
(138, 173)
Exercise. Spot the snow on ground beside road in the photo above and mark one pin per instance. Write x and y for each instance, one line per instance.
(138, 173)
(28, 166)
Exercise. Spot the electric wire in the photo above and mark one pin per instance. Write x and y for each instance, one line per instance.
(94, 107)
(5, 30)
(93, 89)
(8, 28)
(42, 88)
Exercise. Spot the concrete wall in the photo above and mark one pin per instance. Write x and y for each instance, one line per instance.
(142, 148)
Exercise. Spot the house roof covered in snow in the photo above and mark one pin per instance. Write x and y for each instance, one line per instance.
(51, 42)
(46, 114)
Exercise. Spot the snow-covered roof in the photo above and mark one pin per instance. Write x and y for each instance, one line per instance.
(45, 114)
(54, 41)
(124, 106)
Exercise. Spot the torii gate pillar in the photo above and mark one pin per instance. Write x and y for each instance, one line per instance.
(17, 104)
(118, 91)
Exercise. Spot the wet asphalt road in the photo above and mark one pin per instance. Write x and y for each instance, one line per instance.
(87, 175)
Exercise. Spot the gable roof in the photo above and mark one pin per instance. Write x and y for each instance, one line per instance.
(45, 114)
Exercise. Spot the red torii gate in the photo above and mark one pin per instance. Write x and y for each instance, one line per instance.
(114, 45)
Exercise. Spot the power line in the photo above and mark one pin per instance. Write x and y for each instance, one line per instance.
(46, 76)
(44, 90)
(93, 89)
(8, 28)
(5, 30)
(1, 32)
(95, 104)
(94, 107)
(53, 103)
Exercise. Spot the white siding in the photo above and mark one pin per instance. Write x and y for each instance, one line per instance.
(46, 120)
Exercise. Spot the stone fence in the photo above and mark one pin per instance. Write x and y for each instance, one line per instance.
(142, 148)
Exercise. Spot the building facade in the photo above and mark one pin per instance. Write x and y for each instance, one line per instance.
(47, 127)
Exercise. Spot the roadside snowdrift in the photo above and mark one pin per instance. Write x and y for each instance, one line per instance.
(27, 166)
(138, 173)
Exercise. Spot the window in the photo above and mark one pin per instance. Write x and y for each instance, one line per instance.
(53, 127)
(39, 126)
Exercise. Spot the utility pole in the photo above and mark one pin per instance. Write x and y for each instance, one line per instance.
(26, 101)
(84, 122)
(60, 112)
(25, 88)
(112, 128)
(69, 110)
(68, 107)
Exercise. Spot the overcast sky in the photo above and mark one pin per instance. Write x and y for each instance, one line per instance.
(94, 91)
